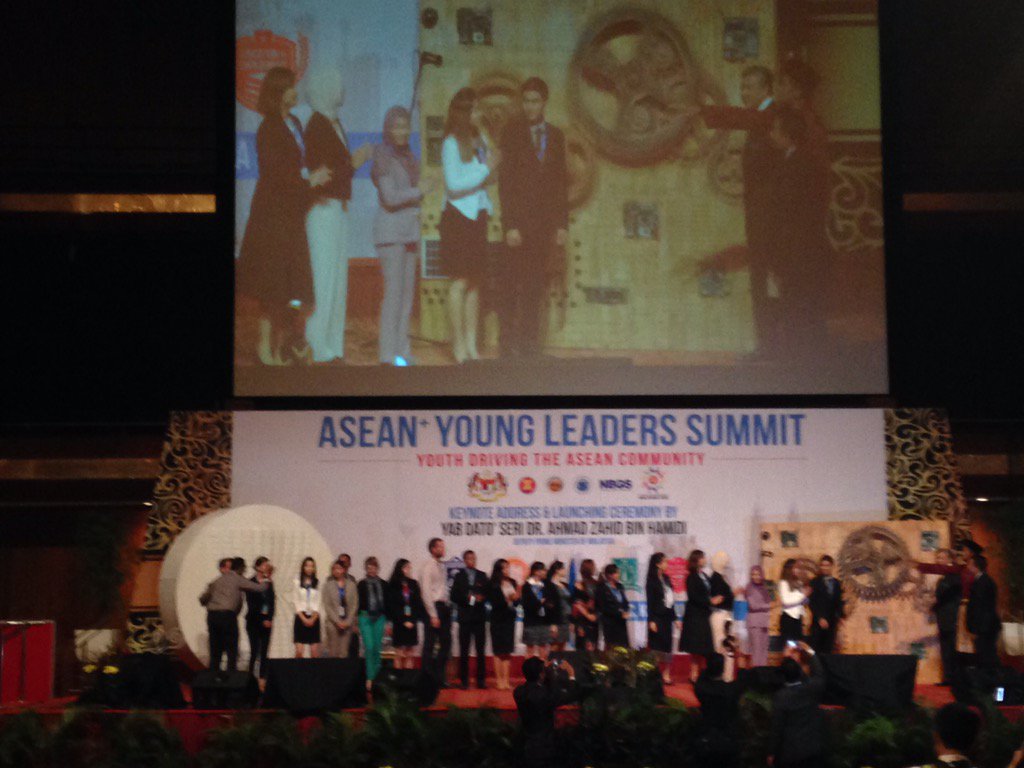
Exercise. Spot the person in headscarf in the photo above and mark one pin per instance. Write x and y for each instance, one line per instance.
(327, 223)
(396, 232)
(720, 586)
(759, 603)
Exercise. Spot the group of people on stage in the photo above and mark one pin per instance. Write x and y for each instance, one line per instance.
(295, 250)
(334, 615)
(966, 609)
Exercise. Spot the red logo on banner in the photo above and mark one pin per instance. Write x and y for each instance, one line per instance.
(527, 485)
(487, 486)
(261, 51)
(677, 570)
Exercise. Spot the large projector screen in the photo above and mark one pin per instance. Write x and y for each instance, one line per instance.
(556, 197)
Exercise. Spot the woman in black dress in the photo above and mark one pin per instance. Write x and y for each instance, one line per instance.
(584, 607)
(696, 638)
(405, 610)
(614, 609)
(503, 596)
(273, 265)
(559, 597)
(661, 613)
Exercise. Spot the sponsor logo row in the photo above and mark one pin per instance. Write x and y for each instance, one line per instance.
(491, 486)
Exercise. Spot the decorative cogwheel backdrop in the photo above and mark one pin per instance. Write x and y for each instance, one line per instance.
(875, 564)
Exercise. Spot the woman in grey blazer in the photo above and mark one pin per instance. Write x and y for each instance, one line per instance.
(396, 232)
(341, 611)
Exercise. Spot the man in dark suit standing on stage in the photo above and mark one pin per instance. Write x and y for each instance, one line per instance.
(533, 190)
(469, 593)
(947, 605)
(983, 614)
(827, 606)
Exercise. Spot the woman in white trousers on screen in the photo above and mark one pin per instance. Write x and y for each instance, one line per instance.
(327, 224)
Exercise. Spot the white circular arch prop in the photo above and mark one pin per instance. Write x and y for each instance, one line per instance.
(249, 531)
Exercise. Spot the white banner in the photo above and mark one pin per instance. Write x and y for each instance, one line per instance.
(612, 485)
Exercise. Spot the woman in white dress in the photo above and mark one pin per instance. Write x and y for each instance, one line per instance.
(469, 163)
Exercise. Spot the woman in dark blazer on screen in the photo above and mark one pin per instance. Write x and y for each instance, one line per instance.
(696, 638)
(661, 613)
(614, 609)
(405, 610)
(273, 265)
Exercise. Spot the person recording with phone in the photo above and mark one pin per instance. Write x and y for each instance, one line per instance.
(798, 725)
(548, 686)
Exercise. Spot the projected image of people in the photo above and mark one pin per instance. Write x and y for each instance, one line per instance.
(553, 198)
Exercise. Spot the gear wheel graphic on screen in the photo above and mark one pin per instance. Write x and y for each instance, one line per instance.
(874, 563)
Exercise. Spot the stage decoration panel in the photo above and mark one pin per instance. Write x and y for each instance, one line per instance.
(707, 218)
(249, 532)
(195, 476)
(888, 603)
(924, 479)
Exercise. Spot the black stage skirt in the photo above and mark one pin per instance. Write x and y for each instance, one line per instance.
(463, 245)
(403, 636)
(660, 641)
(503, 636)
(306, 635)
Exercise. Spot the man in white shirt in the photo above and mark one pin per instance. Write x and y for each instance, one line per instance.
(438, 629)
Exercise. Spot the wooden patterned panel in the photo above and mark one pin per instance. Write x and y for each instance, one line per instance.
(888, 603)
(195, 478)
(923, 476)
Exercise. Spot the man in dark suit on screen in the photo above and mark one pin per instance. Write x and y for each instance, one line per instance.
(469, 593)
(983, 614)
(800, 244)
(827, 606)
(760, 159)
(533, 191)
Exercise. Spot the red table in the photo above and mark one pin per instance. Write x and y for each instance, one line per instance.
(26, 661)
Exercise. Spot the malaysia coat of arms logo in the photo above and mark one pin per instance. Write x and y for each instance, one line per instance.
(487, 486)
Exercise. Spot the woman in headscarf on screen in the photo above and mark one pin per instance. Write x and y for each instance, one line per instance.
(759, 603)
(273, 266)
(396, 232)
(327, 224)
